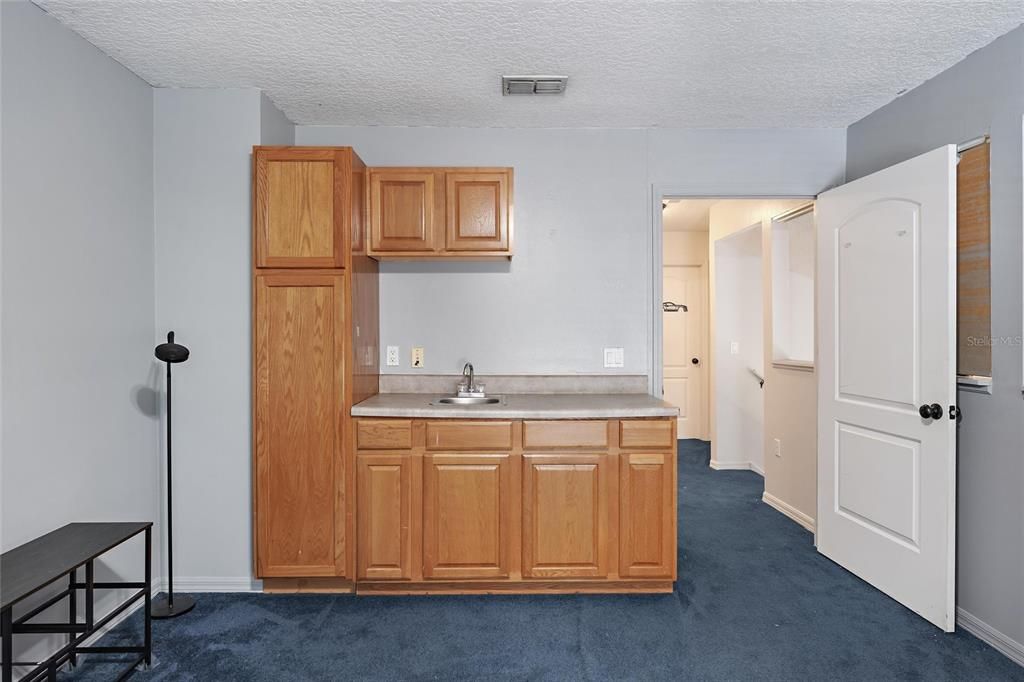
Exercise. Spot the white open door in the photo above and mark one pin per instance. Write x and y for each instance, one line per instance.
(887, 357)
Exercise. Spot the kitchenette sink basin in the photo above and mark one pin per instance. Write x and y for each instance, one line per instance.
(467, 400)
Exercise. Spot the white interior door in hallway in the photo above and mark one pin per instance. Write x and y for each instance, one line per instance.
(685, 334)
(887, 381)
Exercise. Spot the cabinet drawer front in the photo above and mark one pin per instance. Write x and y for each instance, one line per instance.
(384, 434)
(646, 434)
(455, 435)
(563, 434)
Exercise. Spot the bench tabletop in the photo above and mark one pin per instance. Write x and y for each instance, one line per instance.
(37, 563)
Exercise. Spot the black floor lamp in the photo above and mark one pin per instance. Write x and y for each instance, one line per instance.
(169, 606)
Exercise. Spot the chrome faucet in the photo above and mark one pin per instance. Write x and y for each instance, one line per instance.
(468, 387)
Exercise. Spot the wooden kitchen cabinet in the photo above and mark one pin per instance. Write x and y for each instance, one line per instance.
(647, 515)
(440, 213)
(403, 203)
(384, 515)
(467, 515)
(298, 415)
(476, 211)
(299, 207)
(567, 514)
(315, 335)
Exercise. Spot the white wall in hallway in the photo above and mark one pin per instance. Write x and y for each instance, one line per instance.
(738, 347)
(80, 432)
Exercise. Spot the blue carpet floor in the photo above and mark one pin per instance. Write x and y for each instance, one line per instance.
(754, 602)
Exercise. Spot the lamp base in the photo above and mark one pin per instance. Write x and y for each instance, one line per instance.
(159, 607)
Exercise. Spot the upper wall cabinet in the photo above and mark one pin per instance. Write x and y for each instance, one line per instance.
(440, 213)
(299, 207)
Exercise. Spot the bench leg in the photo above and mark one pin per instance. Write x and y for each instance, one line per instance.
(147, 601)
(72, 614)
(7, 634)
(90, 595)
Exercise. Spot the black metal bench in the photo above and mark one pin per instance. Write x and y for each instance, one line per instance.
(27, 569)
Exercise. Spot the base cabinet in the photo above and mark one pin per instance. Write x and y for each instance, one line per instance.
(562, 509)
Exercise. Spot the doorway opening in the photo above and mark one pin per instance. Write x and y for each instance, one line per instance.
(716, 338)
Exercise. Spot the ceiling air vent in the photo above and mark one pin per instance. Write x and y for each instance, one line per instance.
(533, 85)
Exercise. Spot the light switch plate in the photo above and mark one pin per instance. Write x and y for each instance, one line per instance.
(734, 348)
(778, 447)
(393, 356)
(417, 356)
(614, 357)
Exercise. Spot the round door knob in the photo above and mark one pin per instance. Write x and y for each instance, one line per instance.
(695, 361)
(933, 411)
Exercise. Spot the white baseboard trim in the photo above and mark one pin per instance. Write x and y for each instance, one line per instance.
(1008, 647)
(736, 466)
(216, 584)
(788, 510)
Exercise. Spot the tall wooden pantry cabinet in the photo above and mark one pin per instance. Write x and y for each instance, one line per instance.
(315, 345)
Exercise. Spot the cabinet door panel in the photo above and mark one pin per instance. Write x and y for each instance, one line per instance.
(299, 470)
(477, 211)
(384, 516)
(566, 514)
(298, 208)
(647, 515)
(467, 502)
(402, 208)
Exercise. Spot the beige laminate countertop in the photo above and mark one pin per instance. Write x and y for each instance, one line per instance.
(519, 406)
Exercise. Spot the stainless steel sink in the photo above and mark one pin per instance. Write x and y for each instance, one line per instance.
(467, 400)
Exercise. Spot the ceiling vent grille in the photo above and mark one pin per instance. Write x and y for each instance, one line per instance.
(533, 85)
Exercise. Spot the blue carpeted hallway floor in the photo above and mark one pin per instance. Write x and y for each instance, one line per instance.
(754, 601)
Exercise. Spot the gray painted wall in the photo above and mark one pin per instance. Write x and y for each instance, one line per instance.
(581, 275)
(79, 378)
(982, 94)
(203, 292)
(275, 128)
(582, 202)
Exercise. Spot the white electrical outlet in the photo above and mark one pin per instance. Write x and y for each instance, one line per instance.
(778, 448)
(417, 356)
(393, 356)
(614, 357)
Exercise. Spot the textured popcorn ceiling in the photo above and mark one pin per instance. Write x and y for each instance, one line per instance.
(676, 64)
